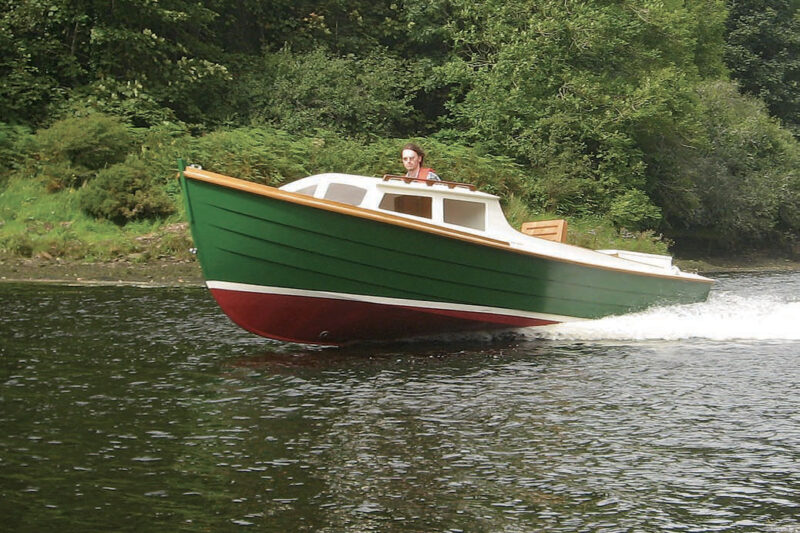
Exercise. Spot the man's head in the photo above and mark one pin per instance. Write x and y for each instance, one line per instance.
(412, 156)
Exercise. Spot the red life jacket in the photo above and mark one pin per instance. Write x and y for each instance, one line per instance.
(423, 173)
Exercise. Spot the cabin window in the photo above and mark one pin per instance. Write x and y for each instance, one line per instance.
(407, 203)
(463, 213)
(347, 194)
(310, 190)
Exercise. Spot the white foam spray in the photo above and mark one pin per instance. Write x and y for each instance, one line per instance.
(724, 316)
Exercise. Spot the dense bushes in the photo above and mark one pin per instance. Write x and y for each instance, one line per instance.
(263, 155)
(95, 153)
(762, 50)
(274, 157)
(746, 178)
(738, 178)
(571, 92)
(123, 174)
(91, 142)
(125, 192)
(352, 95)
(15, 144)
(72, 150)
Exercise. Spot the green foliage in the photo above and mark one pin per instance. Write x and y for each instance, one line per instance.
(569, 89)
(341, 27)
(36, 60)
(617, 111)
(601, 234)
(181, 70)
(91, 142)
(633, 210)
(72, 150)
(15, 147)
(301, 92)
(52, 227)
(745, 175)
(763, 54)
(263, 155)
(332, 153)
(125, 192)
(137, 52)
(518, 211)
(708, 19)
(32, 222)
(19, 244)
(128, 100)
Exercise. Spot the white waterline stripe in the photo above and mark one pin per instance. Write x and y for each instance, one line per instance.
(244, 287)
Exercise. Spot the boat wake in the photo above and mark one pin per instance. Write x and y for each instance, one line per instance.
(723, 317)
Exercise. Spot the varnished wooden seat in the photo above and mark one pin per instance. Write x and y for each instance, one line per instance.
(552, 230)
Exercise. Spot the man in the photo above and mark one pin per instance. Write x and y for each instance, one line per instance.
(413, 158)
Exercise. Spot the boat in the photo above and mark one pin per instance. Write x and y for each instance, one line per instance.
(334, 258)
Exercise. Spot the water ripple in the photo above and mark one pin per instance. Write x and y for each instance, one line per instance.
(124, 406)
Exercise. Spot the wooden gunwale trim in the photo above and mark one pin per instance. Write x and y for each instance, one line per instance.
(360, 212)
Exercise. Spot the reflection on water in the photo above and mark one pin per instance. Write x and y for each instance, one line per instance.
(127, 408)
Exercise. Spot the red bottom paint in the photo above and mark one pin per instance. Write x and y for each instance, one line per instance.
(330, 321)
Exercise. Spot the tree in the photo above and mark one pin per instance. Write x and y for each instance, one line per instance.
(353, 95)
(580, 91)
(120, 57)
(37, 60)
(763, 54)
(744, 177)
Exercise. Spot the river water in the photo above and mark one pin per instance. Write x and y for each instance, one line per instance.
(145, 409)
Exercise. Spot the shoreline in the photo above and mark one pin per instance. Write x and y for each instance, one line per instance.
(187, 273)
(160, 273)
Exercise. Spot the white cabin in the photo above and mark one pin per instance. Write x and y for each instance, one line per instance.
(454, 205)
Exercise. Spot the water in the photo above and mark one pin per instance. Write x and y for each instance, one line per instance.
(142, 409)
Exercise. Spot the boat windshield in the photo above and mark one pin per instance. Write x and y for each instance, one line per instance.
(409, 204)
(465, 213)
(345, 193)
(310, 190)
